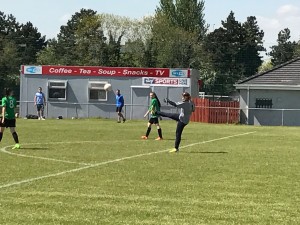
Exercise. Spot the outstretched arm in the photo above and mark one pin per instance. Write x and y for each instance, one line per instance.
(3, 112)
(146, 114)
(170, 102)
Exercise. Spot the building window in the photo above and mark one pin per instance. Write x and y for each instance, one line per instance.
(96, 91)
(263, 103)
(57, 90)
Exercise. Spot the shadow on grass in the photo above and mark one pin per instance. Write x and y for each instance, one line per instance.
(35, 148)
(198, 152)
(164, 139)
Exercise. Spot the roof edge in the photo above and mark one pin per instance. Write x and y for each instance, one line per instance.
(267, 87)
(268, 71)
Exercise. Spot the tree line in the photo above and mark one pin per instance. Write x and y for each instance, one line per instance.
(176, 36)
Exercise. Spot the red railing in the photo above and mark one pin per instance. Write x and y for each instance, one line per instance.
(208, 111)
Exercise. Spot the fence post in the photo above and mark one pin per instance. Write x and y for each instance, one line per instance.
(228, 115)
(282, 117)
(125, 111)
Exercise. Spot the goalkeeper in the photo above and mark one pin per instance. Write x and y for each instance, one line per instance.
(183, 118)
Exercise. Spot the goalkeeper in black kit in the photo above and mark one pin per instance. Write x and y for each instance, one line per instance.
(183, 118)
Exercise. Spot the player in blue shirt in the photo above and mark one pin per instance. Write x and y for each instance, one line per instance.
(119, 105)
(40, 102)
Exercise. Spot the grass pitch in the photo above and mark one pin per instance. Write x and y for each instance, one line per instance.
(95, 171)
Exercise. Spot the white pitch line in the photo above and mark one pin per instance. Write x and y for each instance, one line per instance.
(39, 157)
(50, 159)
(218, 139)
(112, 161)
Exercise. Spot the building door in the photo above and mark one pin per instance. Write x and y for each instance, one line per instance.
(139, 101)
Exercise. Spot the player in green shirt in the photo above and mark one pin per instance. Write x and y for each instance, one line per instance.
(153, 109)
(8, 119)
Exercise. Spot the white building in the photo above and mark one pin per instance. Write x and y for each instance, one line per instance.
(272, 97)
(78, 91)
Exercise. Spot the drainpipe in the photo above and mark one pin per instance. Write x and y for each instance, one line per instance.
(247, 106)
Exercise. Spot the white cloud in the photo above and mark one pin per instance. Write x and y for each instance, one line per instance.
(287, 16)
(65, 18)
(288, 10)
(269, 23)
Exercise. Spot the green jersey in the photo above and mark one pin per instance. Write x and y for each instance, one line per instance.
(10, 103)
(154, 107)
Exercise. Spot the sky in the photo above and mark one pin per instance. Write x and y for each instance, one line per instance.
(48, 15)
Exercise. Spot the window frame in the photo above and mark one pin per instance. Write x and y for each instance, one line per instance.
(52, 86)
(264, 103)
(100, 87)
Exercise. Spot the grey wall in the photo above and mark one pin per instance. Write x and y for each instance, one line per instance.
(77, 104)
(285, 110)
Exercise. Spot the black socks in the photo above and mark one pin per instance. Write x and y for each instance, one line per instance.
(15, 136)
(159, 132)
(148, 131)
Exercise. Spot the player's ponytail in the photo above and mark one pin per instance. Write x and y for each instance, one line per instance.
(158, 102)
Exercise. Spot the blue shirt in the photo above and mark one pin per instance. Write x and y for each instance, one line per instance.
(39, 98)
(119, 101)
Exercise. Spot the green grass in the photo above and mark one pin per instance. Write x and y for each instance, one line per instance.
(101, 173)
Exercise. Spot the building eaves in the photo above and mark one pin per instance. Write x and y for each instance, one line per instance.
(286, 74)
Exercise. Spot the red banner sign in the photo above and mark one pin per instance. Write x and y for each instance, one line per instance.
(102, 71)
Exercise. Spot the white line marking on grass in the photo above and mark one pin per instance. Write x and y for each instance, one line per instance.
(77, 142)
(50, 159)
(218, 139)
(39, 157)
(112, 161)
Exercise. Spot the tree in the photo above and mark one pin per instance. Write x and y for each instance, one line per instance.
(233, 52)
(19, 44)
(171, 44)
(9, 63)
(297, 50)
(80, 42)
(48, 55)
(9, 58)
(133, 54)
(81, 34)
(265, 66)
(223, 47)
(177, 30)
(29, 43)
(186, 14)
(251, 47)
(97, 39)
(284, 50)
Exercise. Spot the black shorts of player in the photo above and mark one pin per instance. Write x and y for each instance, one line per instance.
(8, 123)
(153, 120)
(40, 107)
(119, 109)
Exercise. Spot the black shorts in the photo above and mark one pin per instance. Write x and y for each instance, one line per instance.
(119, 109)
(40, 107)
(8, 123)
(153, 121)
